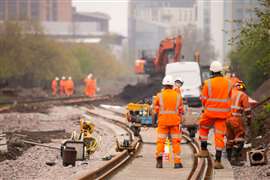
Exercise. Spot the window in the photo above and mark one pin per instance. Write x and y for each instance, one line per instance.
(12, 9)
(2, 9)
(35, 9)
(23, 6)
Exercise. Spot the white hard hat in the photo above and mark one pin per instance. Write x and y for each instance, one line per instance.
(63, 77)
(168, 80)
(57, 78)
(69, 77)
(216, 66)
(179, 79)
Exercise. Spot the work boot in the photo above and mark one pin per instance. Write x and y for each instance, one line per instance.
(178, 165)
(202, 154)
(159, 162)
(218, 165)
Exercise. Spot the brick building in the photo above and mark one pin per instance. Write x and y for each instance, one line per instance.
(41, 10)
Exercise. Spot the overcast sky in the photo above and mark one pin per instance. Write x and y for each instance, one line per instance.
(117, 9)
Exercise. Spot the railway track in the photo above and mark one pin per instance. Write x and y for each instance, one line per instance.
(202, 167)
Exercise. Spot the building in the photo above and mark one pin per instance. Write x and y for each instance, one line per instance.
(222, 20)
(151, 21)
(40, 10)
(84, 27)
(236, 13)
(58, 18)
(101, 19)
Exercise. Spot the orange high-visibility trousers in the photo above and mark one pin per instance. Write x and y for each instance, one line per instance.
(235, 131)
(219, 125)
(162, 132)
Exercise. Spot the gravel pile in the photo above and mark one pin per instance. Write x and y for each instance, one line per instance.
(32, 163)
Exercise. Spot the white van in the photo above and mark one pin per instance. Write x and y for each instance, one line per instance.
(191, 75)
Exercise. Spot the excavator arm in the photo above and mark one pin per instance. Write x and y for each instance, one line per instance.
(167, 46)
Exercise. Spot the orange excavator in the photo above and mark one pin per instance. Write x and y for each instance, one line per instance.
(169, 51)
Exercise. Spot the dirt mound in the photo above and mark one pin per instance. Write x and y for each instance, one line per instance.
(140, 91)
(262, 92)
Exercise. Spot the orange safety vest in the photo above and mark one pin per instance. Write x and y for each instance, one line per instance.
(216, 95)
(69, 85)
(54, 84)
(62, 85)
(240, 103)
(168, 104)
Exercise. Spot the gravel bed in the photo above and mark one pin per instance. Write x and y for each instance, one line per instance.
(248, 172)
(32, 163)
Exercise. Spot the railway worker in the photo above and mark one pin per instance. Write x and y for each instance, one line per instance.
(168, 106)
(234, 79)
(235, 125)
(54, 86)
(90, 86)
(62, 86)
(69, 87)
(178, 83)
(216, 95)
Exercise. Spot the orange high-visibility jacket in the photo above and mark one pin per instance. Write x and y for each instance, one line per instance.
(62, 85)
(69, 85)
(216, 95)
(54, 84)
(169, 106)
(234, 80)
(240, 103)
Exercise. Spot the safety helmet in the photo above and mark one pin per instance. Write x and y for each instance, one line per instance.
(240, 85)
(57, 78)
(69, 77)
(63, 77)
(179, 80)
(168, 80)
(216, 66)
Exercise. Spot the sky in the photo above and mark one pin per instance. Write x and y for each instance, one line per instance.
(116, 9)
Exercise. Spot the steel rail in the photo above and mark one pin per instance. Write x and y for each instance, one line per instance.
(202, 167)
(118, 161)
(53, 99)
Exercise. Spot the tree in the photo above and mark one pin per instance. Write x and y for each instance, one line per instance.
(251, 58)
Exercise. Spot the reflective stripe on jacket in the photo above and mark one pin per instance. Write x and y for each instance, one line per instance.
(168, 104)
(216, 95)
(240, 103)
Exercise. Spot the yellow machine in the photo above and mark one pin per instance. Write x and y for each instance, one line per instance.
(139, 115)
(86, 130)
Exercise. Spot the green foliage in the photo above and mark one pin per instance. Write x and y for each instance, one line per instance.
(97, 60)
(252, 57)
(29, 57)
(267, 107)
